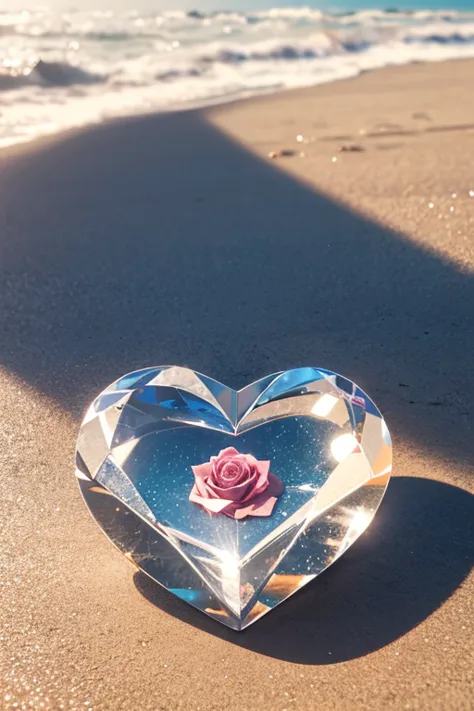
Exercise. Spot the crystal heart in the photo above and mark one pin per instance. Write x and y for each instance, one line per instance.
(309, 463)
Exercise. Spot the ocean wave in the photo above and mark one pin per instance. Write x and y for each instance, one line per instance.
(176, 74)
(455, 38)
(63, 74)
(441, 33)
(8, 81)
(320, 45)
(48, 74)
(81, 66)
(287, 52)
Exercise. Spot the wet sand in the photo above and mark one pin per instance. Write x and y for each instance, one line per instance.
(176, 239)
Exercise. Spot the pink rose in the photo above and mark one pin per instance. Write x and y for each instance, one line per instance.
(235, 484)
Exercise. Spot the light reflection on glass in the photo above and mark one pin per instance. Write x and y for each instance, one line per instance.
(323, 406)
(343, 446)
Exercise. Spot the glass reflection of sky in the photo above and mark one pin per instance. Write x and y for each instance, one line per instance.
(160, 468)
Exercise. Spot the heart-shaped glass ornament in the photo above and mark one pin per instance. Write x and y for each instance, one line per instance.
(233, 500)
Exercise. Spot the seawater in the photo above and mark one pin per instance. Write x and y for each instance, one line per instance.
(60, 69)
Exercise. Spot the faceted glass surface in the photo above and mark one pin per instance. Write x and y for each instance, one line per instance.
(326, 442)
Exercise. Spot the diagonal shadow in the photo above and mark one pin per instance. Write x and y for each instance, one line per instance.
(419, 548)
(160, 240)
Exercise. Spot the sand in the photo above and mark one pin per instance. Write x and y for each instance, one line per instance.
(175, 239)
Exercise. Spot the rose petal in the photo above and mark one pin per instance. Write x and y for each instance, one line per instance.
(213, 505)
(263, 468)
(265, 509)
(231, 473)
(250, 459)
(240, 512)
(236, 493)
(275, 487)
(262, 483)
(232, 468)
(201, 473)
(260, 506)
(227, 452)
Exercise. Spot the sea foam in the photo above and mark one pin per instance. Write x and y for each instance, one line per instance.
(59, 70)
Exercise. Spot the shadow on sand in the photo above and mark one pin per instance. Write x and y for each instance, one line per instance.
(417, 551)
(160, 240)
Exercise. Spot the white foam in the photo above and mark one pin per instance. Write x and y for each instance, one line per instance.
(58, 70)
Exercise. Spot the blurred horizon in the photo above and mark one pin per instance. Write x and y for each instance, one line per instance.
(231, 5)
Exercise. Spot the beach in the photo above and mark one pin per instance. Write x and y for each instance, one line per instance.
(176, 238)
